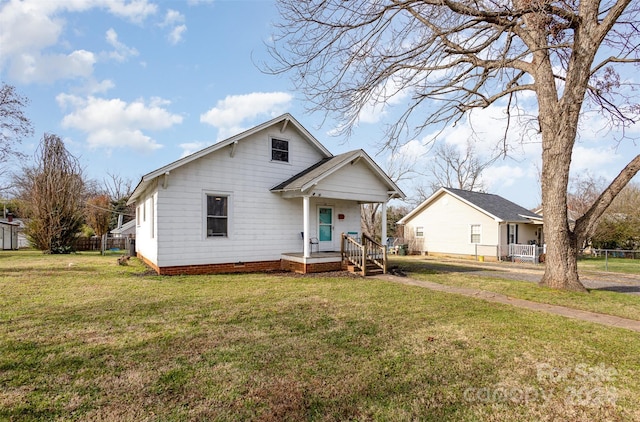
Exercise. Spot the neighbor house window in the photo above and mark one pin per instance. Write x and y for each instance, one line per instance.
(279, 150)
(217, 216)
(512, 234)
(475, 233)
(419, 231)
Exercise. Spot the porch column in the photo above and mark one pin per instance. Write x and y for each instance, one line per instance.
(305, 227)
(383, 229)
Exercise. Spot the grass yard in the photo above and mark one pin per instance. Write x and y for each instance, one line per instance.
(600, 301)
(83, 338)
(616, 265)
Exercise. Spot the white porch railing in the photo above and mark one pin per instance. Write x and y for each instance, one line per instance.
(525, 253)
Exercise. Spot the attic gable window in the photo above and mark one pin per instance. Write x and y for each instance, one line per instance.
(217, 216)
(279, 150)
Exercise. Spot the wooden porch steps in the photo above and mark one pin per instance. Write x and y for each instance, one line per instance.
(372, 269)
(366, 258)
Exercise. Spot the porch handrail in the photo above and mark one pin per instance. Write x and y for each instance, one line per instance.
(360, 254)
(352, 252)
(375, 252)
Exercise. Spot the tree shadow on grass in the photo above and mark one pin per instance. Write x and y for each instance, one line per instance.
(620, 289)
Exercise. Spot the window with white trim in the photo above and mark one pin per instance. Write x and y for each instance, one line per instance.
(512, 234)
(217, 215)
(279, 150)
(419, 231)
(476, 229)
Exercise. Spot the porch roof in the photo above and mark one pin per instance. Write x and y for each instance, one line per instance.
(302, 182)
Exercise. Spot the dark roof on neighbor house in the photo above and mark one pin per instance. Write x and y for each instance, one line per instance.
(496, 205)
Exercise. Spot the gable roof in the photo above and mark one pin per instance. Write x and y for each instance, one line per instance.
(495, 206)
(284, 119)
(327, 166)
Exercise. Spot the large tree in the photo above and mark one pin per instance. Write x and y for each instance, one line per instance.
(619, 227)
(98, 213)
(459, 55)
(14, 124)
(452, 167)
(119, 190)
(53, 191)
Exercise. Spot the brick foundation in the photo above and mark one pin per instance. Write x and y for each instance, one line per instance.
(245, 267)
(231, 267)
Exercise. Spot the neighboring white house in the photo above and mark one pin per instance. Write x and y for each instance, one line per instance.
(127, 229)
(455, 222)
(265, 199)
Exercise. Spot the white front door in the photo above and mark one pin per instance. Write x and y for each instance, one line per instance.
(325, 228)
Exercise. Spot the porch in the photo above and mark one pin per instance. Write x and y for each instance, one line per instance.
(513, 252)
(364, 256)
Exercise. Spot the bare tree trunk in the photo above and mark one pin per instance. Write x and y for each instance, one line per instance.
(558, 118)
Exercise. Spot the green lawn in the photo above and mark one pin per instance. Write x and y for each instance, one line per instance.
(617, 265)
(456, 274)
(83, 338)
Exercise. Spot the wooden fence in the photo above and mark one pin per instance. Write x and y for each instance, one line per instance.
(95, 243)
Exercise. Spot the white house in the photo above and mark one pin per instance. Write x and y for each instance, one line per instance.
(269, 198)
(455, 222)
(127, 229)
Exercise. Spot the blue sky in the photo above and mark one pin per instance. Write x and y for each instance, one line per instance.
(133, 85)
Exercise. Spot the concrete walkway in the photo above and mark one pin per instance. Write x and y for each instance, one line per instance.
(603, 319)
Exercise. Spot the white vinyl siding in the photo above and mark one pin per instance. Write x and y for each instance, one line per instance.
(353, 181)
(261, 226)
(446, 221)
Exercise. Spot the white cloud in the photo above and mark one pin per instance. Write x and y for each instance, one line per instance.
(388, 94)
(176, 34)
(31, 27)
(94, 87)
(229, 114)
(497, 177)
(121, 51)
(29, 68)
(113, 123)
(135, 11)
(172, 17)
(591, 158)
(414, 149)
(175, 20)
(189, 148)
